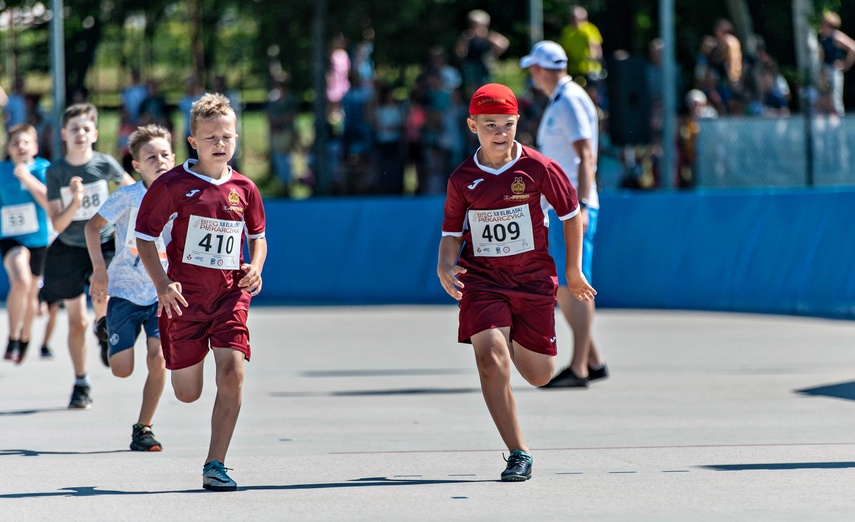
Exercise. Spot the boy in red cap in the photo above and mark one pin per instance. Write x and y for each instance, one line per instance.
(504, 279)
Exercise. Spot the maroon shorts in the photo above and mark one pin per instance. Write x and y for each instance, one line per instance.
(186, 343)
(531, 318)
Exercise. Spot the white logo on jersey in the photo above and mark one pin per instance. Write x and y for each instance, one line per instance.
(553, 339)
(192, 193)
(475, 183)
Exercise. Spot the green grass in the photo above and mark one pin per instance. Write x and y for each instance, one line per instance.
(254, 140)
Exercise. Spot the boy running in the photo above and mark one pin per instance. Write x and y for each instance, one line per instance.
(204, 297)
(77, 186)
(505, 279)
(25, 233)
(133, 299)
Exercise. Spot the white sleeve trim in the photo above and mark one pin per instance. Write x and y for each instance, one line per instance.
(570, 215)
(140, 235)
(452, 234)
(255, 236)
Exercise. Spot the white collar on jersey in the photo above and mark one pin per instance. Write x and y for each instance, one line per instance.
(221, 181)
(504, 167)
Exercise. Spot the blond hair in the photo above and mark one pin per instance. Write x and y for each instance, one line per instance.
(209, 106)
(22, 128)
(145, 134)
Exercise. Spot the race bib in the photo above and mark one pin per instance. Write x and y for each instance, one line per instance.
(94, 195)
(504, 232)
(131, 239)
(19, 219)
(213, 243)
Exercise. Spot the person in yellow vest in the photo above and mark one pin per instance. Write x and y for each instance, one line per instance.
(583, 44)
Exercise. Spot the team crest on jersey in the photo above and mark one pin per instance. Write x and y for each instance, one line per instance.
(518, 188)
(234, 201)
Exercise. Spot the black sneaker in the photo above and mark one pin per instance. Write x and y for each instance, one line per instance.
(22, 351)
(518, 468)
(103, 340)
(595, 374)
(46, 353)
(12, 350)
(80, 398)
(567, 379)
(142, 439)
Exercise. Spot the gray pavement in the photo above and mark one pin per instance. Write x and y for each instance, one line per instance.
(374, 413)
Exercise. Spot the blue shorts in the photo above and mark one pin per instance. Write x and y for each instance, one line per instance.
(559, 252)
(125, 320)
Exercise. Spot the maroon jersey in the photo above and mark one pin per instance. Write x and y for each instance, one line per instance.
(501, 215)
(210, 219)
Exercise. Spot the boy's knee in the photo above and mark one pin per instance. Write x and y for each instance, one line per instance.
(187, 395)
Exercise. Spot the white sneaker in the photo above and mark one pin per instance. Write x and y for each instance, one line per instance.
(215, 478)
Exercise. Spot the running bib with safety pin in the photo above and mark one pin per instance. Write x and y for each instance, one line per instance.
(213, 243)
(503, 232)
(94, 195)
(131, 239)
(19, 219)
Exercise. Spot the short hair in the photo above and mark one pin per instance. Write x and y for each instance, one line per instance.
(80, 109)
(22, 128)
(208, 106)
(145, 134)
(831, 18)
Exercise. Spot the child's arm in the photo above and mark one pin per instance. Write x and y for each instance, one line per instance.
(99, 280)
(573, 242)
(251, 282)
(447, 267)
(168, 292)
(33, 184)
(127, 179)
(62, 217)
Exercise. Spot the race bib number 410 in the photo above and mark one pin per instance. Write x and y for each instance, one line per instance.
(503, 232)
(213, 243)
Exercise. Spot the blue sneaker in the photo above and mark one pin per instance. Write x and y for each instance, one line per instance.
(518, 468)
(215, 478)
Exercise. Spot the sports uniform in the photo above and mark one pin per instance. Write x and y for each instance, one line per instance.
(209, 220)
(500, 215)
(24, 221)
(67, 263)
(133, 297)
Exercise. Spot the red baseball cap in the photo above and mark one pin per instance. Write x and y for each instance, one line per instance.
(493, 98)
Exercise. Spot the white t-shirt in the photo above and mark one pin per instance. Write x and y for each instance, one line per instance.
(569, 117)
(128, 278)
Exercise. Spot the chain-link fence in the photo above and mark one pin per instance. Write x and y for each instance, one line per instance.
(778, 152)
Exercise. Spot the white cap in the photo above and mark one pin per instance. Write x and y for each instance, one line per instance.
(545, 54)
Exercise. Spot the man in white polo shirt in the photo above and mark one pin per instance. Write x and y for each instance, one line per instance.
(568, 133)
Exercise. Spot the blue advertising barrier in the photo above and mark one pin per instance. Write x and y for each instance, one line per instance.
(770, 251)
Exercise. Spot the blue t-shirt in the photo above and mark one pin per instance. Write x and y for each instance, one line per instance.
(19, 210)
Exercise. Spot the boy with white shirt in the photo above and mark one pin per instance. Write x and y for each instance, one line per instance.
(77, 186)
(133, 298)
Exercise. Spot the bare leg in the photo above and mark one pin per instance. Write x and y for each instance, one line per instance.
(154, 383)
(227, 405)
(77, 323)
(580, 317)
(493, 358)
(17, 264)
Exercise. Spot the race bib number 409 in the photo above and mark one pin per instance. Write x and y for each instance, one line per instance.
(213, 243)
(503, 232)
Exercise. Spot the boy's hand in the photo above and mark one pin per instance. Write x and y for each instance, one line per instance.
(578, 284)
(75, 185)
(21, 171)
(98, 285)
(251, 281)
(169, 297)
(448, 278)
